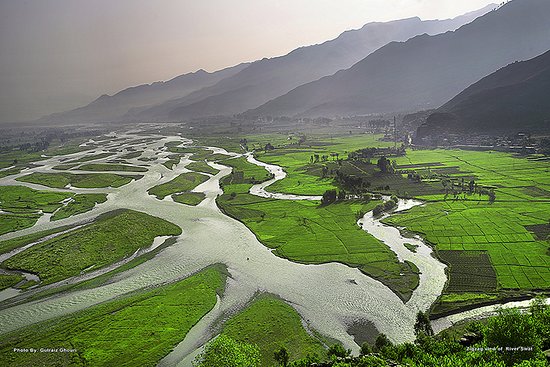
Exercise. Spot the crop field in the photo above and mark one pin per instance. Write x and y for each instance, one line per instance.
(110, 238)
(201, 166)
(184, 182)
(84, 180)
(470, 271)
(154, 320)
(306, 232)
(111, 167)
(271, 323)
(80, 203)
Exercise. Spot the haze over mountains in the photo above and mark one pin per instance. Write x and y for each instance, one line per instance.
(513, 99)
(235, 90)
(113, 108)
(425, 71)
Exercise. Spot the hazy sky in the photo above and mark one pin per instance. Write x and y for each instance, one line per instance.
(56, 55)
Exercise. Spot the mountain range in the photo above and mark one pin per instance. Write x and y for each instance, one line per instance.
(425, 71)
(112, 108)
(512, 99)
(246, 86)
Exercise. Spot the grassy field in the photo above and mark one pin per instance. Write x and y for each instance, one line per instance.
(80, 203)
(21, 199)
(189, 198)
(173, 160)
(20, 159)
(85, 180)
(110, 238)
(201, 166)
(182, 183)
(137, 329)
(9, 280)
(131, 155)
(65, 167)
(271, 323)
(8, 245)
(111, 167)
(22, 205)
(304, 231)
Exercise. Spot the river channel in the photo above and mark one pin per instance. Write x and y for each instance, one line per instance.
(323, 294)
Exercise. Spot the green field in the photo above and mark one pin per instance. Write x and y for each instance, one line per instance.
(470, 233)
(131, 155)
(21, 199)
(112, 237)
(111, 167)
(22, 205)
(80, 203)
(85, 180)
(137, 329)
(303, 176)
(8, 245)
(9, 280)
(306, 232)
(173, 160)
(65, 167)
(182, 183)
(271, 323)
(189, 198)
(201, 167)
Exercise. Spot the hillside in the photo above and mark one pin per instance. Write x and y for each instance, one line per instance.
(112, 108)
(269, 78)
(425, 71)
(513, 99)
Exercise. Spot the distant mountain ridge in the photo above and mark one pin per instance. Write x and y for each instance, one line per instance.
(513, 99)
(425, 71)
(112, 108)
(269, 78)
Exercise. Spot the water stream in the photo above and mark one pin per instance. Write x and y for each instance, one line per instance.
(322, 294)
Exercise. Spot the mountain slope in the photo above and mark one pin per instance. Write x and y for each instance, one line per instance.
(269, 78)
(513, 99)
(425, 71)
(112, 108)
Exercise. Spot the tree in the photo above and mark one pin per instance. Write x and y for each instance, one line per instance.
(282, 356)
(384, 165)
(422, 324)
(365, 349)
(382, 341)
(268, 146)
(511, 329)
(337, 350)
(341, 195)
(329, 197)
(224, 351)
